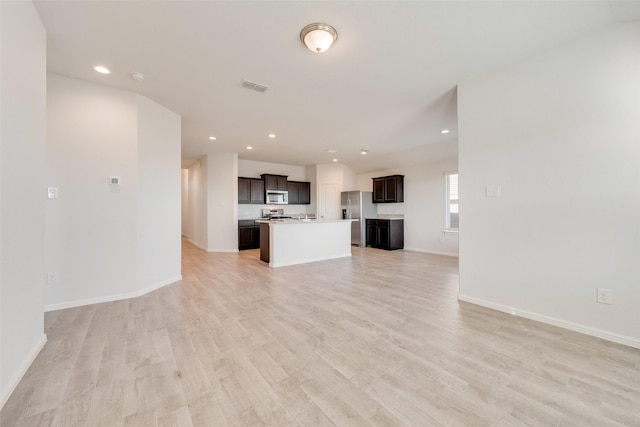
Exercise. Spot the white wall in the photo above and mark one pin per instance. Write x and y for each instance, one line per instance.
(22, 190)
(424, 205)
(159, 195)
(222, 202)
(109, 242)
(349, 179)
(335, 173)
(253, 169)
(559, 134)
(91, 227)
(184, 201)
(197, 217)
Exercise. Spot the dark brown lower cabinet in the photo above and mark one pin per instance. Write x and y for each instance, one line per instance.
(248, 234)
(385, 233)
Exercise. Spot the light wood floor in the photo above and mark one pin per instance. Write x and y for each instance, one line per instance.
(378, 339)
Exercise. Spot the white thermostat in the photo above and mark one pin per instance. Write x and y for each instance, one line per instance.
(114, 180)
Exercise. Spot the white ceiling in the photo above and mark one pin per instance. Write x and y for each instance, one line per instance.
(387, 85)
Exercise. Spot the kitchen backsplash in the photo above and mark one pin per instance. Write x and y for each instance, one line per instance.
(389, 216)
(394, 209)
(255, 211)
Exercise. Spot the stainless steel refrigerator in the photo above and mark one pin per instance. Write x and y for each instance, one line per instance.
(358, 205)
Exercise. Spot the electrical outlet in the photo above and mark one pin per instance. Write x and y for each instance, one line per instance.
(52, 277)
(604, 296)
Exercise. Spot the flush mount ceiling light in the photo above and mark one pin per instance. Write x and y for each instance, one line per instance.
(318, 37)
(444, 131)
(272, 135)
(249, 147)
(363, 151)
(213, 138)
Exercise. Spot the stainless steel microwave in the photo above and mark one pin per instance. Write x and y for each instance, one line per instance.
(275, 197)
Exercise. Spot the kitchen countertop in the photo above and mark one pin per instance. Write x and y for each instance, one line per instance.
(300, 221)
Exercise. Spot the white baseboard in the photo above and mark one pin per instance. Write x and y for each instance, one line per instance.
(158, 285)
(307, 260)
(212, 250)
(197, 245)
(11, 385)
(587, 330)
(426, 251)
(110, 298)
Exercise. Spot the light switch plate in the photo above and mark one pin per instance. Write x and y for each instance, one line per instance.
(493, 191)
(52, 192)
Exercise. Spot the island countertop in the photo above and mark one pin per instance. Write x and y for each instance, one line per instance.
(301, 221)
(389, 217)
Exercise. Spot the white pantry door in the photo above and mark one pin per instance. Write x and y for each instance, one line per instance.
(329, 202)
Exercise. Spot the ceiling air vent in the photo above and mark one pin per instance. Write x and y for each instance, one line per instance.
(254, 86)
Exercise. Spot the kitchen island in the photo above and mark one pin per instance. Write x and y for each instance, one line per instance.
(297, 241)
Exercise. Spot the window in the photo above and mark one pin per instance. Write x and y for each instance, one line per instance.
(452, 201)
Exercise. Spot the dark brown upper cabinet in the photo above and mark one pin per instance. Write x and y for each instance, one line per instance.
(299, 192)
(275, 182)
(388, 189)
(250, 191)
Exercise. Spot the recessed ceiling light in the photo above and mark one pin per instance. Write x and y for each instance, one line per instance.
(335, 160)
(101, 69)
(363, 151)
(213, 138)
(137, 76)
(445, 131)
(272, 135)
(249, 147)
(330, 151)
